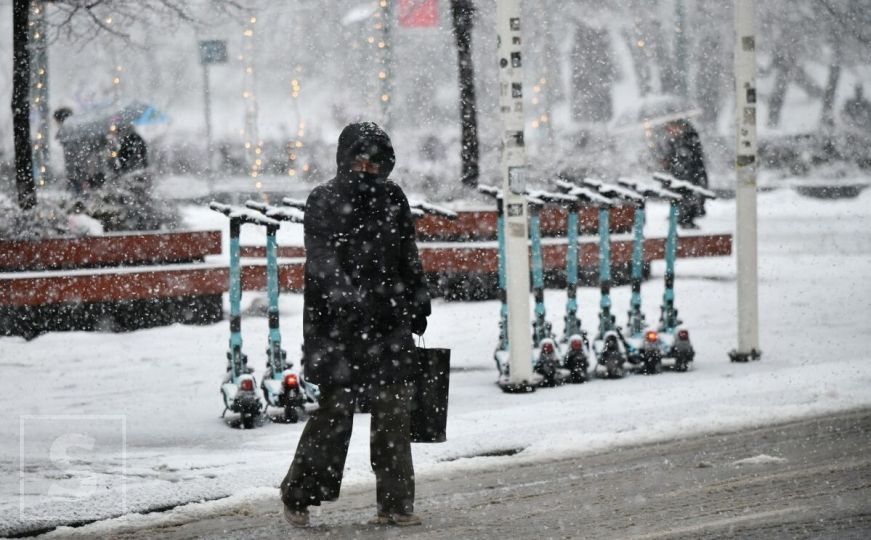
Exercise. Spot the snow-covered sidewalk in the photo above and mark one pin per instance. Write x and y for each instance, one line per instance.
(158, 388)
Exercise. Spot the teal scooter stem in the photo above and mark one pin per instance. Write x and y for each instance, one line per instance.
(541, 328)
(668, 320)
(503, 294)
(635, 322)
(572, 321)
(238, 361)
(276, 355)
(502, 344)
(606, 319)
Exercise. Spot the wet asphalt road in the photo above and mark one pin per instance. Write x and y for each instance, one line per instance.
(804, 479)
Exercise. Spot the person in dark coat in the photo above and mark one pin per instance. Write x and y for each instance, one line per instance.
(365, 294)
(680, 155)
(132, 153)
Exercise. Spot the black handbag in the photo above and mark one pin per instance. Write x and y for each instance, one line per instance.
(429, 402)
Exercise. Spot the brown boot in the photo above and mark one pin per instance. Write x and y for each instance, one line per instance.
(403, 520)
(298, 517)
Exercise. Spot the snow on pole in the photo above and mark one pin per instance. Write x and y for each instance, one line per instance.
(513, 185)
(746, 163)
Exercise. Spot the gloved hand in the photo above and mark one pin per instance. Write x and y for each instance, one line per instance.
(418, 324)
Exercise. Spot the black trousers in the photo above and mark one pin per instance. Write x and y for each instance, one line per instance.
(315, 474)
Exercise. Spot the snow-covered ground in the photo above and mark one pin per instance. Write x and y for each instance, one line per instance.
(157, 439)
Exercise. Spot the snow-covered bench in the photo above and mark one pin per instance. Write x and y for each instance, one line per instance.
(116, 281)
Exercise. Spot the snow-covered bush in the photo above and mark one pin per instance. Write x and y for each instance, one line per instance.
(125, 203)
(45, 220)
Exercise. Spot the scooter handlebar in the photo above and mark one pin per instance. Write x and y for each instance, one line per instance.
(613, 191)
(550, 197)
(492, 191)
(682, 186)
(647, 189)
(276, 212)
(244, 215)
(293, 203)
(427, 208)
(583, 194)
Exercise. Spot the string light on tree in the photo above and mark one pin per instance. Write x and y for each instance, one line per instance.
(295, 145)
(253, 145)
(39, 89)
(383, 20)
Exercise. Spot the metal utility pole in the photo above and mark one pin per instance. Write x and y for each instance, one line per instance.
(513, 184)
(746, 164)
(213, 51)
(680, 49)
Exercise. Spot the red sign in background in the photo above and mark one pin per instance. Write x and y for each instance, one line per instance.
(418, 13)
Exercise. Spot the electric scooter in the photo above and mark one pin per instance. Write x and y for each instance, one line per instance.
(576, 353)
(608, 346)
(280, 385)
(675, 341)
(238, 388)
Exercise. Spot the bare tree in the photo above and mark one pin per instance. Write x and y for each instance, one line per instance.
(21, 105)
(463, 12)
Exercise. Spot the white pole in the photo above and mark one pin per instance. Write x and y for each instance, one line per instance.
(513, 183)
(746, 166)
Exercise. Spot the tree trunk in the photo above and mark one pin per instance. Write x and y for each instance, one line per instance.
(463, 12)
(21, 105)
(828, 113)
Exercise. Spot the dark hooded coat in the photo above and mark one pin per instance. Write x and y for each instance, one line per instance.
(364, 282)
(681, 156)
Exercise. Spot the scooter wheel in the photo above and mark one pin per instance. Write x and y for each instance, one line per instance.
(291, 415)
(248, 420)
(681, 363)
(652, 364)
(578, 376)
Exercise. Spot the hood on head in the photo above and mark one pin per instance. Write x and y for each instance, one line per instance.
(365, 138)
